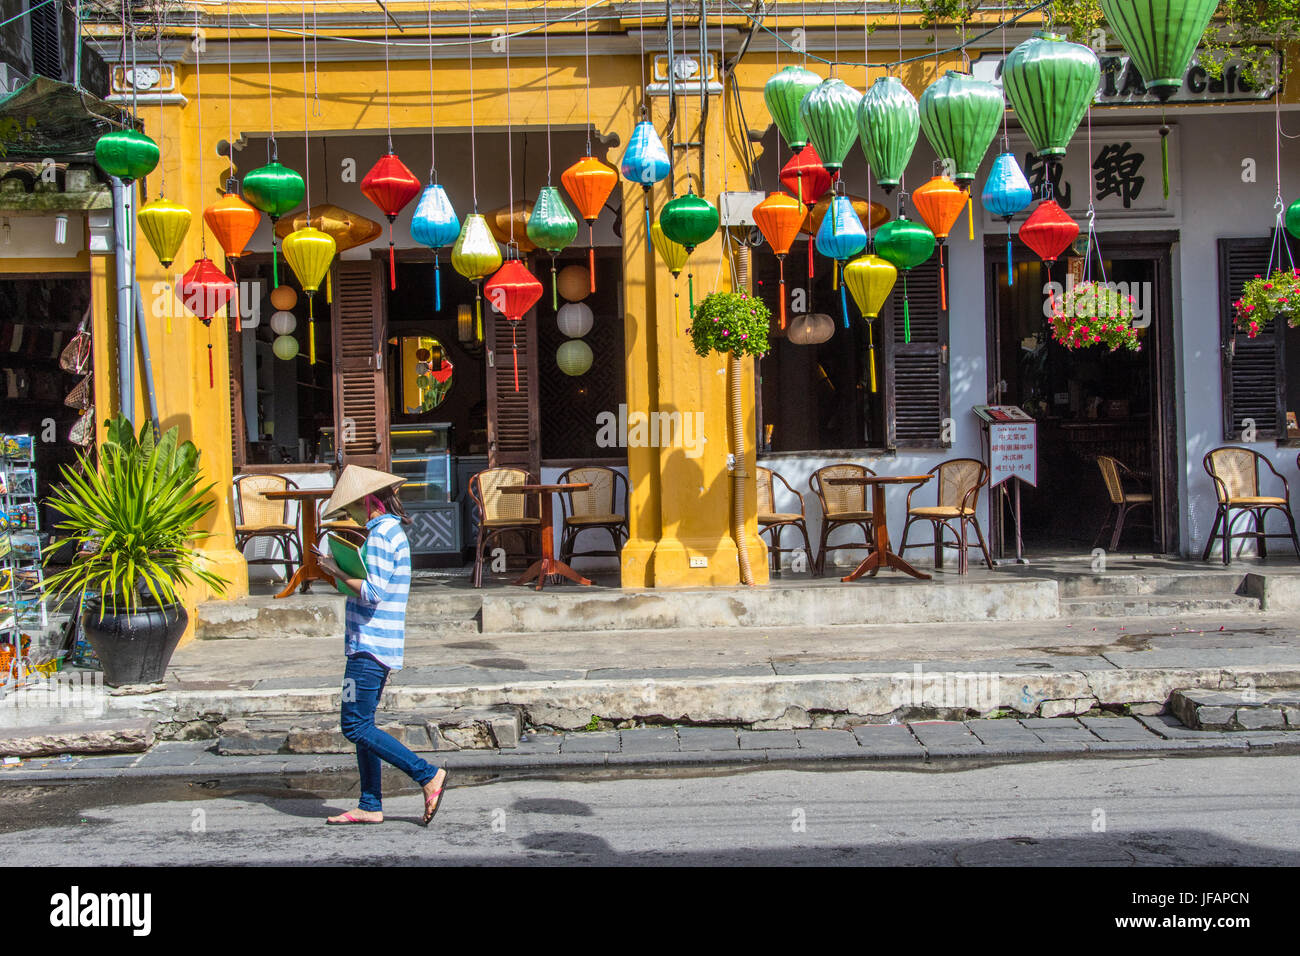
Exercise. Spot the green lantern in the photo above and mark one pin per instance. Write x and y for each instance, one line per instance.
(127, 154)
(830, 115)
(904, 244)
(689, 219)
(960, 116)
(888, 123)
(274, 189)
(1160, 36)
(552, 226)
(1050, 82)
(783, 93)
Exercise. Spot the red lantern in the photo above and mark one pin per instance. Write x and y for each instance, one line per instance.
(390, 186)
(513, 291)
(806, 177)
(589, 183)
(1049, 230)
(780, 217)
(205, 289)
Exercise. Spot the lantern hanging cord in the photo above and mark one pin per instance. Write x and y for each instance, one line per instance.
(641, 38)
(388, 86)
(546, 72)
(306, 124)
(315, 63)
(586, 56)
(271, 149)
(433, 150)
(198, 100)
(230, 97)
(473, 153)
(162, 113)
(510, 141)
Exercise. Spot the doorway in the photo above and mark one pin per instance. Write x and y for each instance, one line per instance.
(1088, 402)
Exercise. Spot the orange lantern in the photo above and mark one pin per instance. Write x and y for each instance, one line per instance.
(780, 218)
(939, 202)
(233, 221)
(589, 183)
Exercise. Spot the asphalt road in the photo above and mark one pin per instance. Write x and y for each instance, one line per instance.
(1163, 811)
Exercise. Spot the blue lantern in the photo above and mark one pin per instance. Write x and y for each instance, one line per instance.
(1007, 192)
(645, 161)
(435, 225)
(841, 237)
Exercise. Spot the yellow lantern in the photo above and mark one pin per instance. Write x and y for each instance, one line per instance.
(164, 223)
(870, 279)
(674, 255)
(309, 253)
(476, 256)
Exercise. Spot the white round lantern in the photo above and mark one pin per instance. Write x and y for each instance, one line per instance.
(285, 347)
(575, 319)
(283, 323)
(574, 357)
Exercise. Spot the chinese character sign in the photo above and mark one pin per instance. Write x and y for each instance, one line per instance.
(1013, 452)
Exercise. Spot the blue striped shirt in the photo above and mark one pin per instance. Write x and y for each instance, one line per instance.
(376, 620)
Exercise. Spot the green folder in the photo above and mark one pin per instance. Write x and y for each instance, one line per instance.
(351, 559)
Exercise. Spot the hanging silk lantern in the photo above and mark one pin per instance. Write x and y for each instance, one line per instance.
(689, 219)
(1049, 230)
(552, 227)
(348, 229)
(574, 319)
(127, 154)
(829, 113)
(476, 256)
(204, 289)
(806, 177)
(905, 244)
(233, 222)
(1050, 83)
(784, 94)
(780, 218)
(645, 161)
(275, 190)
(589, 183)
(1161, 37)
(309, 252)
(435, 225)
(889, 123)
(939, 204)
(283, 323)
(674, 256)
(513, 290)
(1293, 219)
(285, 347)
(810, 328)
(1006, 193)
(390, 186)
(164, 224)
(509, 225)
(841, 237)
(870, 280)
(574, 357)
(283, 298)
(574, 282)
(870, 214)
(960, 116)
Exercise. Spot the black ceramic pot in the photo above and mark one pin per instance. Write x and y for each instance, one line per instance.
(134, 648)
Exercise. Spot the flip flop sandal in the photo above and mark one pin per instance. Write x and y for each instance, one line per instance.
(437, 794)
(348, 819)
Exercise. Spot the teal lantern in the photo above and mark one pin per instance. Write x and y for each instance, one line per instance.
(1160, 36)
(841, 237)
(1050, 82)
(127, 154)
(783, 94)
(689, 220)
(904, 244)
(888, 123)
(273, 189)
(829, 113)
(960, 117)
(552, 226)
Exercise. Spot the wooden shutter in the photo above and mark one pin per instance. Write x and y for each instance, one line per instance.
(513, 432)
(916, 372)
(1252, 368)
(47, 50)
(357, 338)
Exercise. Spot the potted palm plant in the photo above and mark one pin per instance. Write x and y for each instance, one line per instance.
(133, 517)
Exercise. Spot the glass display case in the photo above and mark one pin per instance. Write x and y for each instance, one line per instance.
(422, 455)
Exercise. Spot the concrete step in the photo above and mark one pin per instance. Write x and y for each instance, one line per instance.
(322, 615)
(462, 729)
(1275, 709)
(1121, 605)
(1209, 584)
(130, 735)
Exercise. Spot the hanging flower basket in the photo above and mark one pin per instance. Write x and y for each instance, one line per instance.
(1264, 299)
(1093, 313)
(730, 322)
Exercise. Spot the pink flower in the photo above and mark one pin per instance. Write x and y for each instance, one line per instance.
(1250, 308)
(1268, 285)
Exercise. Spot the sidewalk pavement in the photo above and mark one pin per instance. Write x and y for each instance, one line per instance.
(939, 743)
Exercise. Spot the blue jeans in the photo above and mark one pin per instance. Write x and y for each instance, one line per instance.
(365, 677)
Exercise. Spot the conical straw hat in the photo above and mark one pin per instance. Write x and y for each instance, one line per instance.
(354, 484)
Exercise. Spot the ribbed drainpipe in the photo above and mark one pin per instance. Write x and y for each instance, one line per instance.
(740, 262)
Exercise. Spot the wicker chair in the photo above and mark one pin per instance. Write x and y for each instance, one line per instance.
(769, 519)
(1235, 472)
(842, 506)
(498, 513)
(960, 481)
(257, 516)
(593, 509)
(1113, 473)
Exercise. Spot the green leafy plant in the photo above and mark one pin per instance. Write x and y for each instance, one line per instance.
(730, 322)
(1094, 313)
(1264, 298)
(133, 516)
(593, 724)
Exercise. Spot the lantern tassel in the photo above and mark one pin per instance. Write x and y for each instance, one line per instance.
(871, 353)
(437, 285)
(782, 261)
(907, 315)
(275, 264)
(690, 291)
(970, 218)
(591, 260)
(835, 275)
(478, 309)
(677, 310)
(555, 293)
(810, 258)
(329, 289)
(514, 348)
(1164, 159)
(311, 331)
(1011, 272)
(844, 306)
(392, 259)
(212, 381)
(234, 301)
(943, 285)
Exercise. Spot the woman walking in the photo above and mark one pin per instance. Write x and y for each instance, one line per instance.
(374, 637)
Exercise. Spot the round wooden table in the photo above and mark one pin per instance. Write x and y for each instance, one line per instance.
(882, 556)
(309, 570)
(549, 564)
